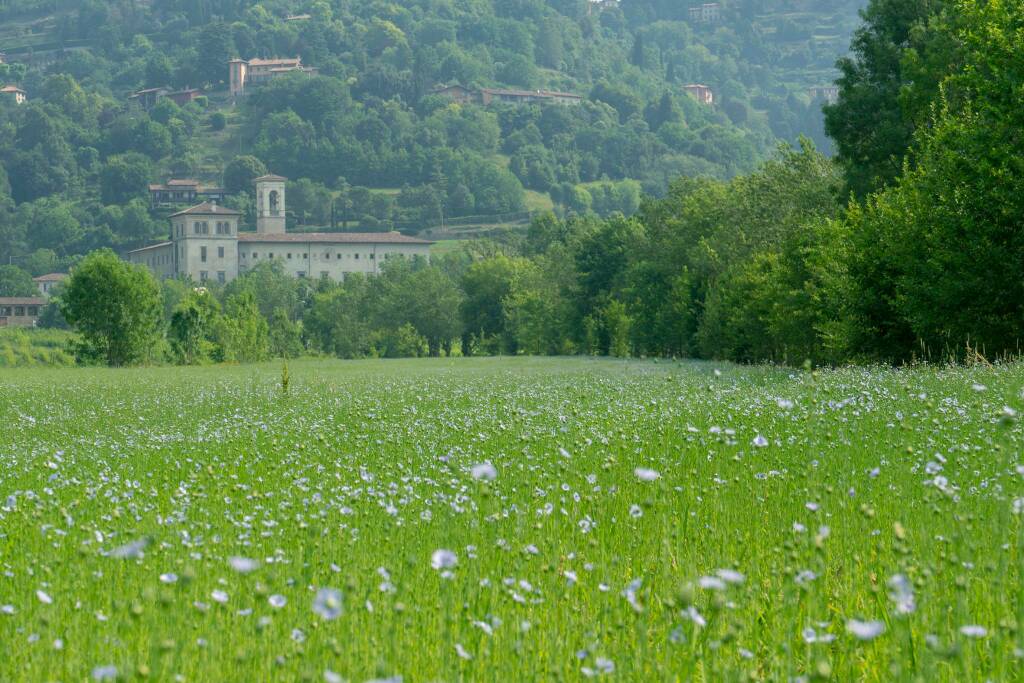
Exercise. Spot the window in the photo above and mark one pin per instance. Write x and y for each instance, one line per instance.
(202, 254)
(19, 310)
(270, 255)
(289, 254)
(327, 256)
(201, 228)
(305, 255)
(357, 257)
(221, 276)
(324, 274)
(220, 252)
(373, 256)
(223, 228)
(301, 273)
(255, 254)
(33, 310)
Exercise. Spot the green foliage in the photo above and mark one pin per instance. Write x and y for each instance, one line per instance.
(240, 172)
(242, 333)
(16, 282)
(115, 307)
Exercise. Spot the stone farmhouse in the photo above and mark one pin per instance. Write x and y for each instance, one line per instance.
(244, 73)
(20, 311)
(486, 96)
(206, 244)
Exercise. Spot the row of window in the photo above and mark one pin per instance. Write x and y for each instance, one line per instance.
(203, 228)
(204, 275)
(19, 311)
(326, 257)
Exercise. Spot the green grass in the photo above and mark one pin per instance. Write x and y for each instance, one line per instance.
(539, 201)
(568, 560)
(21, 347)
(442, 247)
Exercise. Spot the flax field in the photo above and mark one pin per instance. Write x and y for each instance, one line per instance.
(511, 520)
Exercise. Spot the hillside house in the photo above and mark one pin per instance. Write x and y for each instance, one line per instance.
(183, 191)
(206, 244)
(244, 73)
(702, 93)
(487, 96)
(708, 13)
(826, 93)
(147, 99)
(20, 311)
(14, 92)
(47, 282)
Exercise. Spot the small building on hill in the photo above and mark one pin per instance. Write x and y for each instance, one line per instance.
(703, 94)
(487, 96)
(206, 244)
(147, 99)
(183, 191)
(826, 93)
(708, 13)
(47, 282)
(14, 92)
(20, 311)
(244, 73)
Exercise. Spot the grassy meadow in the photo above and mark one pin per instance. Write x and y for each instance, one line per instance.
(511, 519)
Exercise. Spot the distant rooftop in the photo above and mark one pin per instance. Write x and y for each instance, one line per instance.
(207, 209)
(334, 238)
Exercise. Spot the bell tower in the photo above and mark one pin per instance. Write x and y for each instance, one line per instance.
(270, 206)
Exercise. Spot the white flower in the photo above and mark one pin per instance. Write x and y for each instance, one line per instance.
(760, 441)
(242, 565)
(7, 609)
(461, 652)
(902, 593)
(44, 598)
(298, 635)
(169, 577)
(443, 559)
(104, 673)
(219, 596)
(865, 630)
(130, 551)
(645, 474)
(485, 471)
(635, 511)
(785, 404)
(277, 601)
(730, 576)
(331, 677)
(711, 583)
(327, 603)
(974, 631)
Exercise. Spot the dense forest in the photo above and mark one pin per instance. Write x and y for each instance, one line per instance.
(367, 140)
(907, 245)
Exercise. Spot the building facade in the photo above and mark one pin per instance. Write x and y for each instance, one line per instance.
(703, 94)
(244, 73)
(207, 246)
(487, 96)
(183, 191)
(15, 92)
(18, 311)
(47, 282)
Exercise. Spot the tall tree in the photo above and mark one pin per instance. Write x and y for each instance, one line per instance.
(116, 307)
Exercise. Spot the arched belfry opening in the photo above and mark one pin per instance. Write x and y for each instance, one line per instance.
(270, 205)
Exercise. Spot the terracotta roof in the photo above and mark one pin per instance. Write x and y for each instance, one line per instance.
(207, 209)
(22, 301)
(11, 88)
(152, 246)
(334, 238)
(50, 277)
(269, 176)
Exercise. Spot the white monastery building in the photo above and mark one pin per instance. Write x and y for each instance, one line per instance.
(206, 244)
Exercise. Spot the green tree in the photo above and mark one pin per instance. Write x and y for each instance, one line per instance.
(191, 325)
(115, 307)
(242, 333)
(240, 172)
(285, 335)
(124, 177)
(16, 282)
